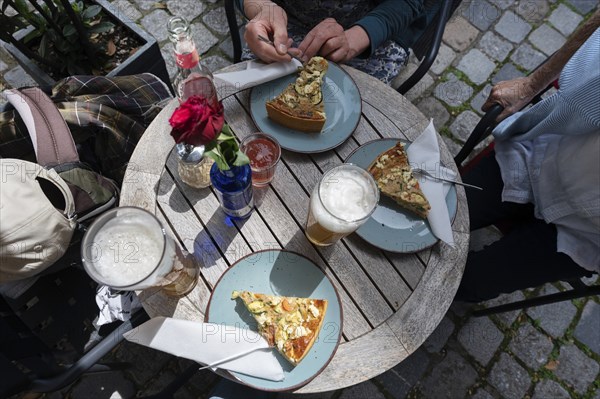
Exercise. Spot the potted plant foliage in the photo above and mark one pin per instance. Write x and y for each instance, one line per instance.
(52, 39)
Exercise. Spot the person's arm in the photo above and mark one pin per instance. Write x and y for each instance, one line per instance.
(388, 20)
(385, 21)
(515, 94)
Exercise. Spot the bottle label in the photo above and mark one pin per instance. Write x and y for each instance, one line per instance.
(187, 60)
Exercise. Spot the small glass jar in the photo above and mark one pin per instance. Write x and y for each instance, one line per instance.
(193, 167)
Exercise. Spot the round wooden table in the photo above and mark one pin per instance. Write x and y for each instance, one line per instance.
(391, 302)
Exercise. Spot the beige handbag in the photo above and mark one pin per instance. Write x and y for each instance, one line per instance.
(33, 234)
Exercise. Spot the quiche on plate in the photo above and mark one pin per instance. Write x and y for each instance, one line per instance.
(290, 324)
(395, 179)
(300, 105)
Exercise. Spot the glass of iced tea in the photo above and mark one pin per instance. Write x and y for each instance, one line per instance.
(340, 203)
(127, 249)
(264, 153)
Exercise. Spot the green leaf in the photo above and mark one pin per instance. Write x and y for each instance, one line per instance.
(224, 136)
(226, 130)
(34, 34)
(102, 27)
(38, 21)
(69, 30)
(63, 46)
(218, 158)
(229, 149)
(44, 48)
(91, 12)
(22, 8)
(241, 159)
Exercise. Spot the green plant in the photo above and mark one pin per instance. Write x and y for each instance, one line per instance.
(65, 37)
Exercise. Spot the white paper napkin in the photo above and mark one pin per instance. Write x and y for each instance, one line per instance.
(115, 307)
(255, 73)
(424, 153)
(208, 343)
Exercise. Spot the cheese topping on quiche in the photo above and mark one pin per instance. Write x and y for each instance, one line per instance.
(395, 179)
(290, 324)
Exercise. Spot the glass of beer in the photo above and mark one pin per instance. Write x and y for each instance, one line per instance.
(340, 203)
(128, 249)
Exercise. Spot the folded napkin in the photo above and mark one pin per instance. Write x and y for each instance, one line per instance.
(209, 343)
(115, 306)
(255, 73)
(424, 153)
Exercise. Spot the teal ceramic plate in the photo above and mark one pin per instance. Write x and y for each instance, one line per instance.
(342, 107)
(390, 227)
(287, 274)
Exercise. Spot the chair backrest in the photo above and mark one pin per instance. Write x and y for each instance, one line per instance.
(427, 46)
(47, 325)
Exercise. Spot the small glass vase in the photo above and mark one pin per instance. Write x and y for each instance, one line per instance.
(193, 167)
(233, 189)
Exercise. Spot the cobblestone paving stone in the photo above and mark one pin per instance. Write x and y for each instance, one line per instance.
(576, 368)
(555, 318)
(550, 389)
(531, 346)
(587, 328)
(509, 378)
(551, 351)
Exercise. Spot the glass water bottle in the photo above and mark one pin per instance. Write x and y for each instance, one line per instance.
(192, 77)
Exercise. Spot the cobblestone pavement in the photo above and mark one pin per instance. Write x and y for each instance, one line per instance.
(551, 351)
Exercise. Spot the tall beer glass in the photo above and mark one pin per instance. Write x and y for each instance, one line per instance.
(340, 203)
(127, 249)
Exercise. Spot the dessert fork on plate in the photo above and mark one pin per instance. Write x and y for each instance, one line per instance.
(426, 173)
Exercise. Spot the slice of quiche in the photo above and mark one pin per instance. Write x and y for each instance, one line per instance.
(395, 179)
(300, 105)
(291, 324)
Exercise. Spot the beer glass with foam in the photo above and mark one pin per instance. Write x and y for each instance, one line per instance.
(340, 203)
(127, 249)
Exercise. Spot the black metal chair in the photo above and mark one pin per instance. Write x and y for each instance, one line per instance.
(429, 43)
(579, 288)
(47, 330)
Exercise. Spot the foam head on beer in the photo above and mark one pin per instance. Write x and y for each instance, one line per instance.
(128, 250)
(340, 203)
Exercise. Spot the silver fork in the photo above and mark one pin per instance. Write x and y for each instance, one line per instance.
(264, 39)
(426, 173)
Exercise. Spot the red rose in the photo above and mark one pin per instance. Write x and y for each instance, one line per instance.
(196, 122)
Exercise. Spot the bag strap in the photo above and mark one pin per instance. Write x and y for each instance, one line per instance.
(51, 137)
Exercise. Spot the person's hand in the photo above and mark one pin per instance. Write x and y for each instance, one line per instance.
(270, 21)
(513, 95)
(328, 40)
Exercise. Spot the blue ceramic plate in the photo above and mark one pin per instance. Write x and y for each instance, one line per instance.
(390, 227)
(342, 107)
(286, 274)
